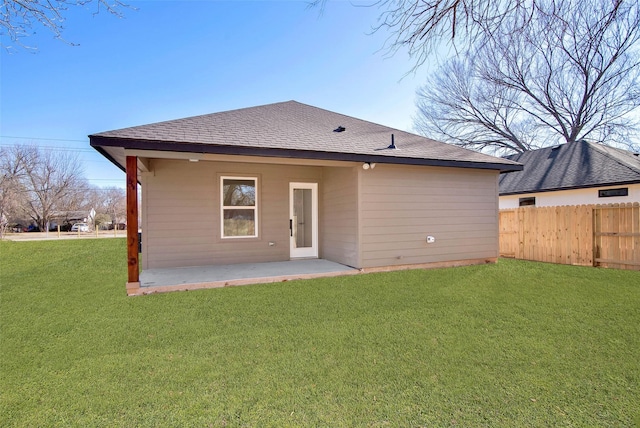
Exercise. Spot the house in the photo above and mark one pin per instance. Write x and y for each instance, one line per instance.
(572, 174)
(290, 181)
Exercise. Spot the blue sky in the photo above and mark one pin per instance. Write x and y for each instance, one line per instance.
(167, 60)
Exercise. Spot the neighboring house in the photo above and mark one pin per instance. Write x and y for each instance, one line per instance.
(288, 180)
(572, 174)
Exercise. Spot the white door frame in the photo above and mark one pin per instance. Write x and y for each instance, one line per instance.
(305, 252)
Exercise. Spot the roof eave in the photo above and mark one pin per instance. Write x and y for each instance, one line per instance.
(556, 189)
(99, 141)
(104, 153)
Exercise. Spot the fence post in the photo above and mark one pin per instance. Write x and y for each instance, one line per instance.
(635, 229)
(597, 228)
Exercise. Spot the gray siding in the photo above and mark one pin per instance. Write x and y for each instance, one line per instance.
(372, 218)
(339, 216)
(181, 219)
(402, 205)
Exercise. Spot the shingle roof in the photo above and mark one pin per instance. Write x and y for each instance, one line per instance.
(293, 129)
(571, 166)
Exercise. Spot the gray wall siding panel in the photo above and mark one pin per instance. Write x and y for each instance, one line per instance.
(372, 218)
(401, 206)
(181, 218)
(339, 216)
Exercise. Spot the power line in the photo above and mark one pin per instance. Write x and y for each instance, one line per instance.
(58, 148)
(44, 139)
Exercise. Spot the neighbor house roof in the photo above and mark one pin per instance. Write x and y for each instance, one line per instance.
(571, 166)
(291, 130)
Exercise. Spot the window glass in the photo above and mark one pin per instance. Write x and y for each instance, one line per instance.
(239, 207)
(524, 202)
(608, 193)
(239, 222)
(239, 192)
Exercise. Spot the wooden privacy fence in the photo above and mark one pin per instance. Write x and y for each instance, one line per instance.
(585, 235)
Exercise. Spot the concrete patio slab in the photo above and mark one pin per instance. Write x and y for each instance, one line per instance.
(198, 277)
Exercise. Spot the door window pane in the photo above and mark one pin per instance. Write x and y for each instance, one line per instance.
(302, 207)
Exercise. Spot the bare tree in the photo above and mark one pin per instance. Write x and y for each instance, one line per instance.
(572, 73)
(421, 26)
(46, 186)
(456, 107)
(92, 197)
(109, 203)
(53, 183)
(12, 174)
(19, 17)
(114, 204)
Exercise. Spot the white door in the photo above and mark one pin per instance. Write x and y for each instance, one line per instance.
(303, 220)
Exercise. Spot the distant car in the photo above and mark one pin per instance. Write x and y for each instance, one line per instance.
(80, 227)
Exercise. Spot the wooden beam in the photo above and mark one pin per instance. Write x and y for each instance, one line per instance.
(143, 163)
(132, 222)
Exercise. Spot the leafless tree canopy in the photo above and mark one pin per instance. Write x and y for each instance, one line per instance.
(39, 186)
(12, 174)
(420, 26)
(18, 18)
(571, 73)
(53, 182)
(114, 204)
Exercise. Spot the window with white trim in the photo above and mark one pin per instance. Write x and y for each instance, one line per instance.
(239, 205)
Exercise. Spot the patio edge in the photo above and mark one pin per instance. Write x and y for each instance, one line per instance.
(134, 289)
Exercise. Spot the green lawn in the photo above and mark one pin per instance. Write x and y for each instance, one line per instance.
(511, 344)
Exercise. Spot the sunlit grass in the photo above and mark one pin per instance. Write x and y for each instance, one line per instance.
(512, 344)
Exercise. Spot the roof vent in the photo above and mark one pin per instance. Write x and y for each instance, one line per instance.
(340, 129)
(393, 143)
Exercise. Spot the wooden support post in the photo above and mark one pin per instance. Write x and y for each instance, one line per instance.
(132, 225)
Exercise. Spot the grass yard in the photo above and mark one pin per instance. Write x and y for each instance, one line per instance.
(511, 344)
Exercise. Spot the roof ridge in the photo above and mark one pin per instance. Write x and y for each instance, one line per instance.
(600, 148)
(352, 117)
(539, 149)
